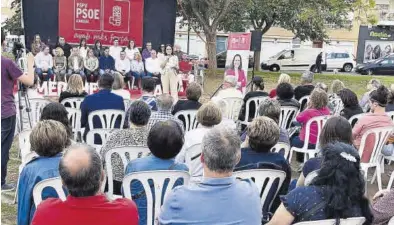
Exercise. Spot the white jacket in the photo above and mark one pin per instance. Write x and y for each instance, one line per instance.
(43, 61)
(121, 65)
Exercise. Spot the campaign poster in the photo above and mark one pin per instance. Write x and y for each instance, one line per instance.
(377, 49)
(102, 20)
(238, 45)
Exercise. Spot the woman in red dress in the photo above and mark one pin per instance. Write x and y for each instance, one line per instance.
(237, 71)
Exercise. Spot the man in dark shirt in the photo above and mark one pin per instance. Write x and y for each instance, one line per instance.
(193, 94)
(10, 73)
(61, 43)
(306, 86)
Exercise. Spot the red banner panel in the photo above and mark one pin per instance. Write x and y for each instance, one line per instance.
(102, 20)
(239, 41)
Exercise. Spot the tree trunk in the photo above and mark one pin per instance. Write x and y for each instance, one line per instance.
(257, 60)
(211, 52)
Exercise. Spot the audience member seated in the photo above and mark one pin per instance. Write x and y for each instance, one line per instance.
(98, 49)
(350, 104)
(262, 135)
(130, 50)
(165, 140)
(118, 85)
(164, 105)
(208, 116)
(372, 85)
(57, 112)
(60, 64)
(322, 86)
(115, 49)
(91, 66)
(135, 135)
(257, 91)
(226, 122)
(37, 45)
(285, 95)
(137, 69)
(317, 106)
(193, 94)
(336, 86)
(66, 47)
(306, 86)
(82, 175)
(48, 139)
(148, 88)
(106, 63)
(390, 100)
(75, 63)
(218, 189)
(382, 207)
(44, 63)
(152, 66)
(337, 191)
(336, 129)
(375, 119)
(185, 67)
(75, 89)
(283, 78)
(83, 48)
(123, 66)
(146, 53)
(103, 99)
(229, 89)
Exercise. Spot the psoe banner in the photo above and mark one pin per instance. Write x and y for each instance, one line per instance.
(102, 20)
(238, 49)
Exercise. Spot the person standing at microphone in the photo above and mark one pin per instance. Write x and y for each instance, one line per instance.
(169, 78)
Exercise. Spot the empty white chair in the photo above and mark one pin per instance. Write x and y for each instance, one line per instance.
(348, 221)
(320, 121)
(233, 106)
(256, 101)
(103, 133)
(24, 143)
(55, 183)
(287, 115)
(133, 152)
(158, 178)
(353, 120)
(381, 135)
(74, 117)
(72, 102)
(108, 118)
(189, 119)
(264, 180)
(193, 161)
(281, 147)
(303, 102)
(36, 106)
(310, 177)
(391, 115)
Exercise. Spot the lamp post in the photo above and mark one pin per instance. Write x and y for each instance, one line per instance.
(188, 37)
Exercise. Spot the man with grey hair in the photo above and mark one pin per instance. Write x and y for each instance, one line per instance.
(82, 174)
(218, 189)
(229, 89)
(306, 86)
(164, 104)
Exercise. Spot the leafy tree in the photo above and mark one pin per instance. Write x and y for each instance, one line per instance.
(14, 24)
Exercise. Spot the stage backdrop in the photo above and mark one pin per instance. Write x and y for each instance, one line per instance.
(140, 20)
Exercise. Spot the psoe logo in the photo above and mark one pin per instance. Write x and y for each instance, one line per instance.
(116, 18)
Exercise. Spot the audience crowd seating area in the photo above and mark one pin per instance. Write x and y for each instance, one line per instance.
(98, 157)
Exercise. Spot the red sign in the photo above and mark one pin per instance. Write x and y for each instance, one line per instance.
(102, 20)
(239, 41)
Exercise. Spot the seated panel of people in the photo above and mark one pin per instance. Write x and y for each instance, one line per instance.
(193, 94)
(165, 140)
(75, 88)
(257, 91)
(60, 64)
(123, 66)
(106, 63)
(75, 63)
(91, 66)
(44, 63)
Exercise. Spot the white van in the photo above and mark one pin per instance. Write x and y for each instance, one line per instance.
(305, 58)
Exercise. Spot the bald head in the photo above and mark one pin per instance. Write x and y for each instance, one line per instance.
(81, 170)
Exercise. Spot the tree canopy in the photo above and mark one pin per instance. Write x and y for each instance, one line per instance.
(14, 24)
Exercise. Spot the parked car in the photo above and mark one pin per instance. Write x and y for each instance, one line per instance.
(383, 66)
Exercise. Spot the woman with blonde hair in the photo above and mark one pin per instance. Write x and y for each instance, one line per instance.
(91, 66)
(137, 68)
(60, 64)
(75, 88)
(283, 78)
(117, 86)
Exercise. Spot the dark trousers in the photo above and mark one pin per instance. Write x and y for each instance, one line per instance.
(318, 67)
(295, 141)
(7, 135)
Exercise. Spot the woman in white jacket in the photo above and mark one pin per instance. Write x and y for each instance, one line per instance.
(169, 78)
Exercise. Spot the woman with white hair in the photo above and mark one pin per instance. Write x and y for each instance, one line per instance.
(283, 78)
(226, 122)
(372, 85)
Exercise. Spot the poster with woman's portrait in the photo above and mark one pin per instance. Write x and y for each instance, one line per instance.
(377, 49)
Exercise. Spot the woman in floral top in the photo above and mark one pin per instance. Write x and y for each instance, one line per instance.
(136, 135)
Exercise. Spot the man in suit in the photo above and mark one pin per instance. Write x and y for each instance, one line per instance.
(103, 99)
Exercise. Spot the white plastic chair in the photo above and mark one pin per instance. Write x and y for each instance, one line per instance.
(287, 115)
(74, 117)
(391, 182)
(256, 101)
(353, 120)
(72, 102)
(159, 179)
(103, 133)
(126, 103)
(133, 152)
(303, 103)
(320, 121)
(93, 87)
(310, 177)
(391, 222)
(189, 118)
(348, 221)
(24, 143)
(55, 182)
(264, 179)
(108, 118)
(36, 106)
(391, 115)
(381, 135)
(280, 146)
(233, 106)
(25, 159)
(338, 105)
(193, 161)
